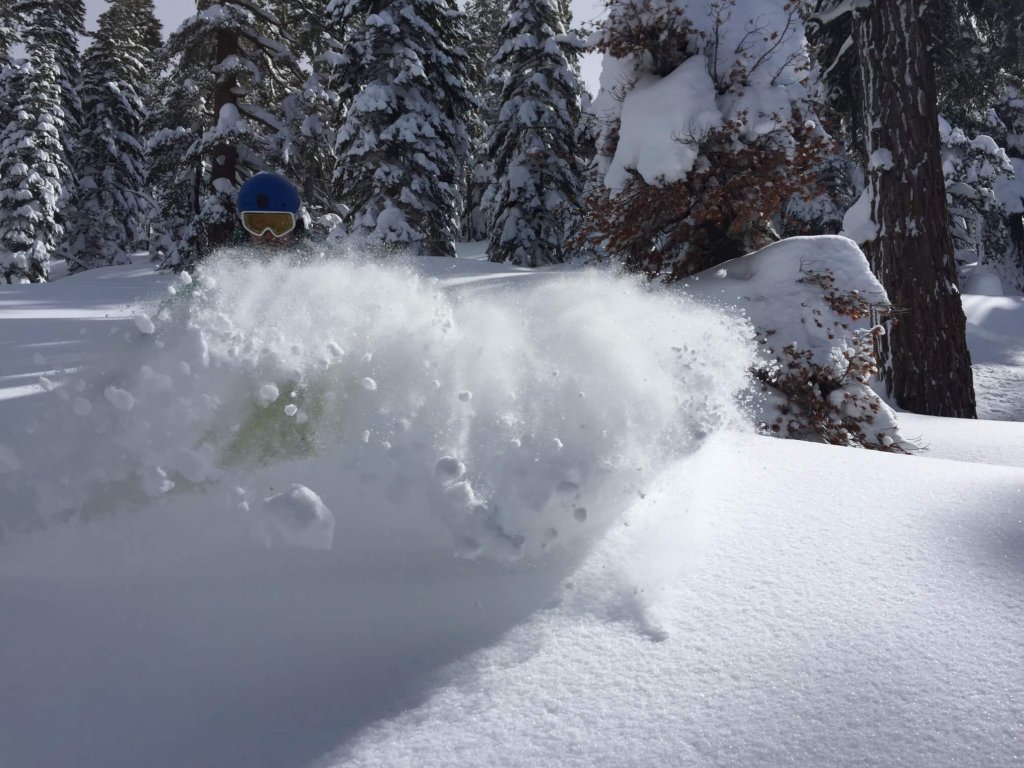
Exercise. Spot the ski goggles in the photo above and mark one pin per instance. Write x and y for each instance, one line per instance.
(258, 223)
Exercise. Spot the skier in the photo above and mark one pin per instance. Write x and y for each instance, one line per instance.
(269, 211)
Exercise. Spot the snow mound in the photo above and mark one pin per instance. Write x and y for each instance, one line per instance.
(812, 301)
(504, 422)
(774, 286)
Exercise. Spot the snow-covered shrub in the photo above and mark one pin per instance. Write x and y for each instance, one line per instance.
(708, 131)
(671, 229)
(832, 400)
(815, 306)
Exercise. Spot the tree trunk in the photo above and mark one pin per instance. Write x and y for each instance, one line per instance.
(926, 365)
(225, 156)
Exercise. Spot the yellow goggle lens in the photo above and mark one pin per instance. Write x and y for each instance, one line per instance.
(278, 223)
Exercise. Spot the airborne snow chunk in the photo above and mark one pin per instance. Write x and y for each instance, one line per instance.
(122, 400)
(144, 324)
(449, 468)
(299, 518)
(268, 393)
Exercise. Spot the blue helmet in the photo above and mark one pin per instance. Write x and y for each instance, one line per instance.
(268, 192)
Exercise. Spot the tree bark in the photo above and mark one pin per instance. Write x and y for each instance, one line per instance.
(926, 365)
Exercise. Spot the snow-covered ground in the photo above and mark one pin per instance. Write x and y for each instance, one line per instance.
(444, 512)
(996, 336)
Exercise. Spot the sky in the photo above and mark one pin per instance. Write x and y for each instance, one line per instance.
(173, 12)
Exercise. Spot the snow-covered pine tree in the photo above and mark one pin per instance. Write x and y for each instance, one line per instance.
(306, 23)
(537, 168)
(820, 210)
(36, 144)
(975, 48)
(58, 25)
(992, 31)
(304, 148)
(1010, 112)
(8, 30)
(112, 205)
(229, 121)
(176, 170)
(8, 67)
(707, 131)
(979, 54)
(973, 168)
(484, 22)
(403, 143)
(33, 173)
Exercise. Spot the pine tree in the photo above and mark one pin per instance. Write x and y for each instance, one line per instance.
(403, 142)
(36, 179)
(32, 175)
(975, 47)
(57, 26)
(176, 169)
(1010, 111)
(926, 363)
(227, 125)
(484, 21)
(112, 205)
(8, 67)
(533, 141)
(8, 30)
(305, 146)
(973, 169)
